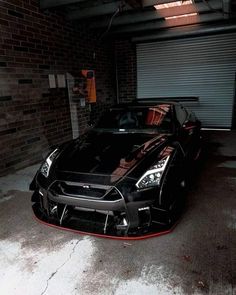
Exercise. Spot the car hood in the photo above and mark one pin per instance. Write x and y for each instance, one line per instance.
(109, 155)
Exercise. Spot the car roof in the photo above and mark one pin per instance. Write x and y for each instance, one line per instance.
(147, 102)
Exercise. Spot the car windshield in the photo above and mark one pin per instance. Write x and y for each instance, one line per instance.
(143, 119)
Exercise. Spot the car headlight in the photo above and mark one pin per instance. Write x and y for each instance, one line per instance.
(45, 168)
(153, 176)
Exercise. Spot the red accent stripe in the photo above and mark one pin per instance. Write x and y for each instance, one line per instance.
(190, 127)
(107, 236)
(198, 154)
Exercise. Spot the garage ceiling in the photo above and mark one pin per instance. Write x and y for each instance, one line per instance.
(141, 16)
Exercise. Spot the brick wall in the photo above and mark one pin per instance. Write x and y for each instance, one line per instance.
(32, 45)
(125, 53)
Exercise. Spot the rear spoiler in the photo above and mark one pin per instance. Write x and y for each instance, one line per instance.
(169, 99)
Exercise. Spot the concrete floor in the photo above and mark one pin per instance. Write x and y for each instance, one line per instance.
(198, 257)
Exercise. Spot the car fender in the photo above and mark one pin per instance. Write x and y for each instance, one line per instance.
(177, 148)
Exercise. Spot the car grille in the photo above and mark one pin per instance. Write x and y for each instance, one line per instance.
(78, 190)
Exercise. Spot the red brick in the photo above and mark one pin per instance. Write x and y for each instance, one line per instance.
(28, 44)
(22, 59)
(31, 7)
(3, 22)
(26, 33)
(6, 17)
(19, 37)
(12, 42)
(33, 29)
(6, 5)
(6, 46)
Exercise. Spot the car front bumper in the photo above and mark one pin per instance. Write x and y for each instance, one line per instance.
(106, 213)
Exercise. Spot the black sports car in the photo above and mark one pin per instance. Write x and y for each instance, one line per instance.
(125, 177)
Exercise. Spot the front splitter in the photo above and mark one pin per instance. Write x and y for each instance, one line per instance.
(99, 235)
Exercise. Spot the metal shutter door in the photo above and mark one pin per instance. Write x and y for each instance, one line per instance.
(201, 66)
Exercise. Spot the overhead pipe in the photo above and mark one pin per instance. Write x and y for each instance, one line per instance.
(184, 32)
(154, 25)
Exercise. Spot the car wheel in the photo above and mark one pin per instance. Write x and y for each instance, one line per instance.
(174, 196)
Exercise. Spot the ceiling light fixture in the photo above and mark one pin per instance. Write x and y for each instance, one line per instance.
(172, 4)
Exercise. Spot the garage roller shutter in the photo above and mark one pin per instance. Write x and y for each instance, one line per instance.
(202, 66)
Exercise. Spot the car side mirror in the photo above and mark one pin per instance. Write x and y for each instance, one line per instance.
(188, 125)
